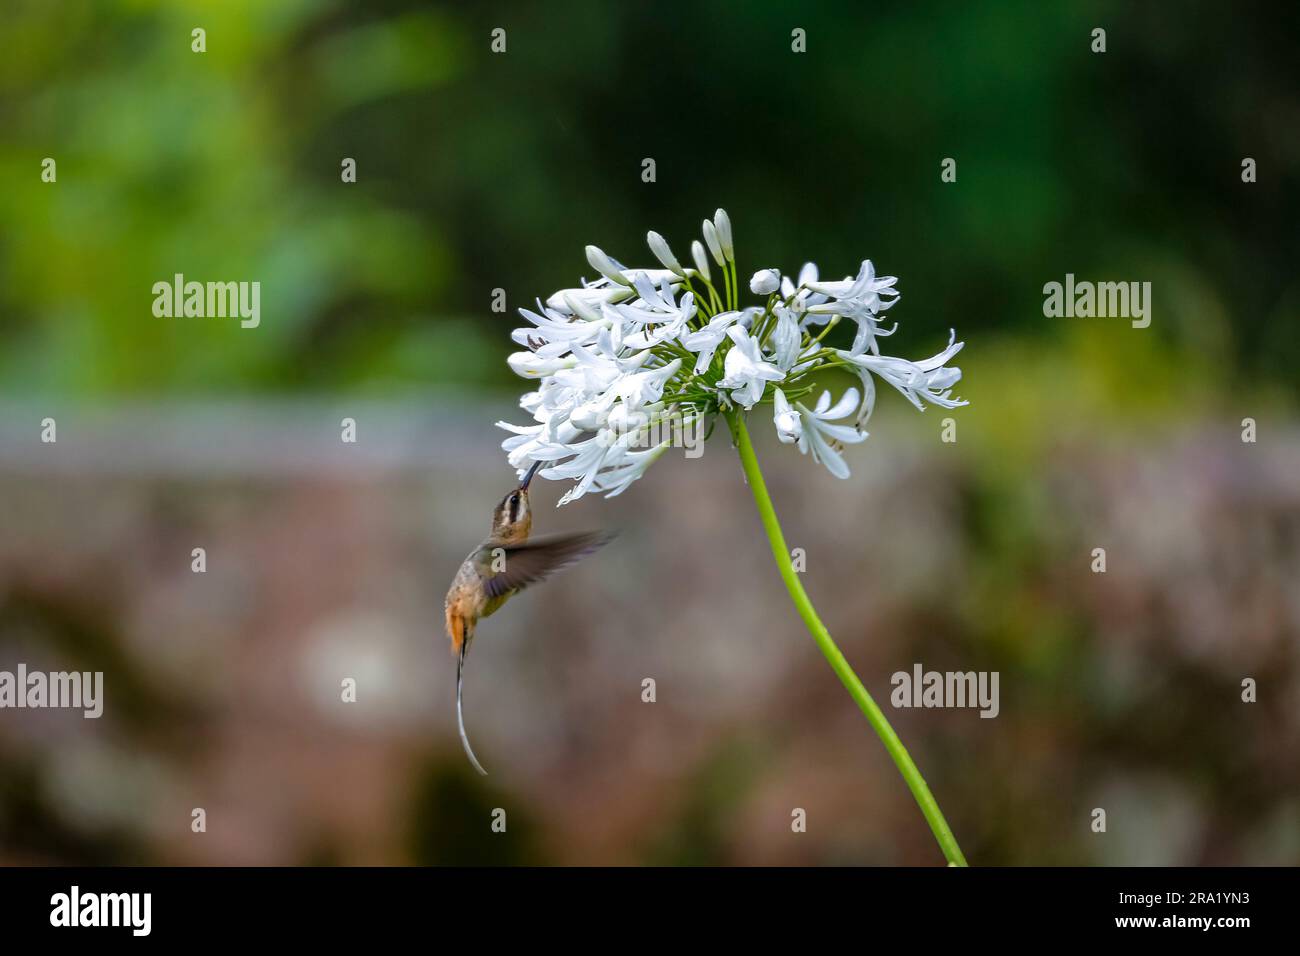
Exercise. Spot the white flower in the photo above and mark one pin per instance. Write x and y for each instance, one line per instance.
(619, 359)
(590, 456)
(701, 260)
(592, 296)
(634, 390)
(616, 478)
(797, 293)
(656, 316)
(746, 372)
(715, 245)
(858, 299)
(722, 223)
(866, 288)
(706, 340)
(606, 266)
(785, 339)
(555, 331)
(765, 282)
(645, 388)
(789, 426)
(929, 380)
(625, 417)
(532, 365)
(808, 273)
(659, 246)
(819, 436)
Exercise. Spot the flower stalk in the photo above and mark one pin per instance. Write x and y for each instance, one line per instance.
(870, 709)
(618, 357)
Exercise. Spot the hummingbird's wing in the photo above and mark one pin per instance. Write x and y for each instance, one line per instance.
(533, 560)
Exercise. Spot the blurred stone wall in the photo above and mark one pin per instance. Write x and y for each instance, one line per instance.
(325, 561)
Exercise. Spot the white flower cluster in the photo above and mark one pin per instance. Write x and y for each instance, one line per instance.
(642, 352)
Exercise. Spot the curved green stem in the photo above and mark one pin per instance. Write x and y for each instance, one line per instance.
(902, 759)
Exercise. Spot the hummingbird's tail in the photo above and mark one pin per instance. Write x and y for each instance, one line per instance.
(460, 710)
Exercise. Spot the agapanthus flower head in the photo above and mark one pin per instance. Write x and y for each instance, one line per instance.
(641, 353)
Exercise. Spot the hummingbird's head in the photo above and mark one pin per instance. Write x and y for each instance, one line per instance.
(513, 519)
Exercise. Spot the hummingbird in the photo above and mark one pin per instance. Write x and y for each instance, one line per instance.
(503, 565)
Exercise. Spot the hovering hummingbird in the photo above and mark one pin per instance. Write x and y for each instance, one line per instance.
(502, 566)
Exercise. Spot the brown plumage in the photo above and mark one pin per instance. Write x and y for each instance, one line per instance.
(503, 565)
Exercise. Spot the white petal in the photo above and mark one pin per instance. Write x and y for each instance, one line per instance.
(701, 260)
(605, 266)
(827, 455)
(715, 247)
(765, 282)
(842, 407)
(659, 246)
(722, 222)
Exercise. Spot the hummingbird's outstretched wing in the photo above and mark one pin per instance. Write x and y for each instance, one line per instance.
(533, 560)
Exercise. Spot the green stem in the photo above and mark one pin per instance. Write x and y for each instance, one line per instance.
(702, 305)
(903, 760)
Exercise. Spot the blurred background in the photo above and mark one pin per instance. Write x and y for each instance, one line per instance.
(479, 171)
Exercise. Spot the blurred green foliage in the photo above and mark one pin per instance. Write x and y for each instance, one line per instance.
(479, 171)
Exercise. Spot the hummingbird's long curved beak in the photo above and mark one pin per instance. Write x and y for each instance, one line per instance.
(523, 485)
